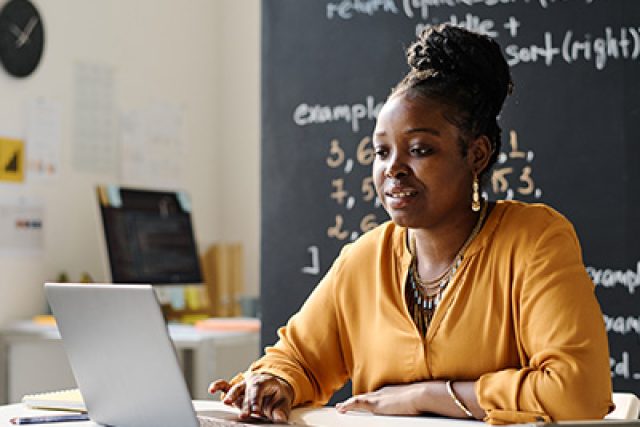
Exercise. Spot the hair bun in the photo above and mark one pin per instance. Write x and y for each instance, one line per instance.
(428, 54)
(457, 55)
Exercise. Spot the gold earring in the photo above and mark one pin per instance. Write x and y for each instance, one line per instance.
(475, 196)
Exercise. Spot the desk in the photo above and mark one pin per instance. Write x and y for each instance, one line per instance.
(308, 416)
(301, 416)
(32, 358)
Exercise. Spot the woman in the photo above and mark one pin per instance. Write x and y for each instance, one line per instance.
(456, 306)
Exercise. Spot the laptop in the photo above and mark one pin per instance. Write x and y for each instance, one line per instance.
(122, 357)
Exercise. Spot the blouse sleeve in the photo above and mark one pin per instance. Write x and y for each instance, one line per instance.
(308, 354)
(561, 338)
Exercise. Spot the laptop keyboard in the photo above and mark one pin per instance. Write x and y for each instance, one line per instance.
(213, 422)
(218, 422)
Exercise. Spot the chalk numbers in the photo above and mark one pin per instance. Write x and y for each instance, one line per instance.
(340, 160)
(368, 222)
(368, 190)
(339, 194)
(513, 176)
(365, 153)
(336, 154)
(336, 230)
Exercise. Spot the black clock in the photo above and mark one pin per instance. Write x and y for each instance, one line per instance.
(21, 37)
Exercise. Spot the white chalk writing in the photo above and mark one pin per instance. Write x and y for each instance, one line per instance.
(598, 47)
(469, 22)
(622, 325)
(314, 268)
(623, 368)
(422, 7)
(623, 43)
(346, 9)
(306, 114)
(610, 278)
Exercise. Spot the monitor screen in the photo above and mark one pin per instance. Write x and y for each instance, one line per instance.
(149, 236)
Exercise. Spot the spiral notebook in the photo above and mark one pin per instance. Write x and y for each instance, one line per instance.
(63, 400)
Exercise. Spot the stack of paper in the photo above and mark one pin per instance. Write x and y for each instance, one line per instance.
(64, 400)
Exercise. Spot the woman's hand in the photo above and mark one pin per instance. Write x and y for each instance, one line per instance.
(390, 400)
(260, 395)
(418, 398)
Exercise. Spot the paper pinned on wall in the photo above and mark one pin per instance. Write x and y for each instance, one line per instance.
(21, 227)
(95, 144)
(11, 159)
(152, 149)
(44, 130)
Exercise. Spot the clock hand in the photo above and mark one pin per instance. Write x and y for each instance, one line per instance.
(24, 36)
(30, 25)
(15, 30)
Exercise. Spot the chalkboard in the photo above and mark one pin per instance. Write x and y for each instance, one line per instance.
(571, 135)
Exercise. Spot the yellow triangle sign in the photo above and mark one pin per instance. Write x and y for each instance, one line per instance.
(11, 159)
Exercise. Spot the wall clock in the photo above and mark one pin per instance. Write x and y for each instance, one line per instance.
(21, 37)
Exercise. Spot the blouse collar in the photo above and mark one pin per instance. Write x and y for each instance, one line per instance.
(481, 240)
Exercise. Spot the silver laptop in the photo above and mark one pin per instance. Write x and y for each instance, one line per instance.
(122, 358)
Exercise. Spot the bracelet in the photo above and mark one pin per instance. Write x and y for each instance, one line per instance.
(457, 401)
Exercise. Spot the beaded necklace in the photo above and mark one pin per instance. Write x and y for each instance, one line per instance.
(425, 295)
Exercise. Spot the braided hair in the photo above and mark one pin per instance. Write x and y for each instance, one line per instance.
(465, 71)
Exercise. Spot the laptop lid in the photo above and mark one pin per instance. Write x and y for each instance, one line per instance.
(121, 355)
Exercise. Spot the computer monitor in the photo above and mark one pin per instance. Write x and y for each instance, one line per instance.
(149, 236)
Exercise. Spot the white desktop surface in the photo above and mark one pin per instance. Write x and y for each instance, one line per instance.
(325, 416)
(183, 336)
(302, 416)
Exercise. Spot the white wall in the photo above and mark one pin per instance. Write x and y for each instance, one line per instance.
(238, 85)
(201, 55)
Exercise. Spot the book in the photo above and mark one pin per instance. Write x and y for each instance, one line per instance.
(63, 400)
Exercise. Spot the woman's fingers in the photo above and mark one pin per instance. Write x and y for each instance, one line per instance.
(259, 388)
(219, 385)
(238, 401)
(391, 400)
(274, 402)
(277, 402)
(265, 405)
(260, 395)
(249, 404)
(362, 402)
(235, 394)
(280, 415)
(266, 397)
(278, 409)
(234, 398)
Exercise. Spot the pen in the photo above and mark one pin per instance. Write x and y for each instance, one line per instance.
(49, 419)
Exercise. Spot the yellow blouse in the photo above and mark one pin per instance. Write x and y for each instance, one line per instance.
(520, 317)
